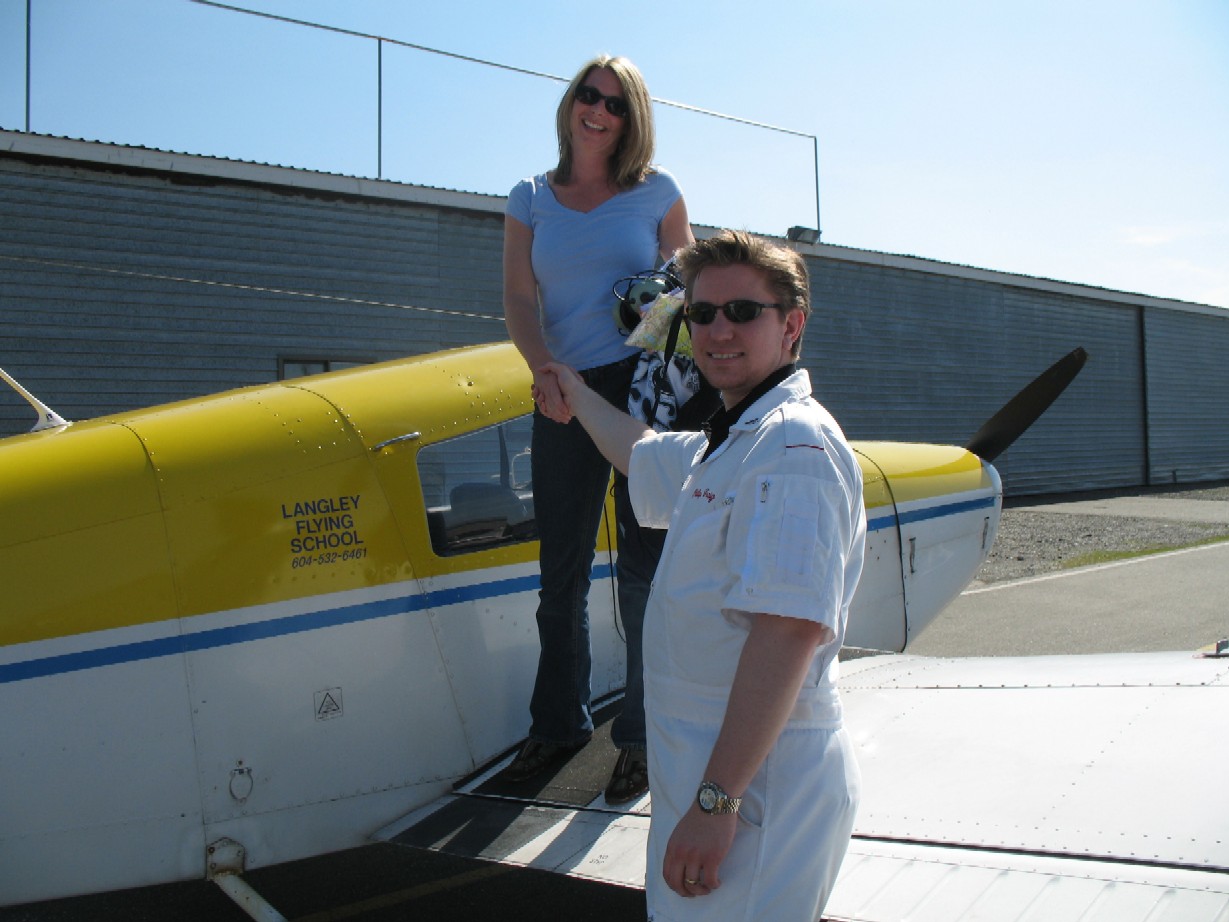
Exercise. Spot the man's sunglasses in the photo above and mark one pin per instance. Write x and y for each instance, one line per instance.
(589, 96)
(740, 311)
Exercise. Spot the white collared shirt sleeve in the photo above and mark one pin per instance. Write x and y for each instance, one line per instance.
(659, 464)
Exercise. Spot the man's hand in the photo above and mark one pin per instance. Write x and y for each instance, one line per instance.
(695, 851)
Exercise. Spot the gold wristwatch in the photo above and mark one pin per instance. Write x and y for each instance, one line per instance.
(713, 799)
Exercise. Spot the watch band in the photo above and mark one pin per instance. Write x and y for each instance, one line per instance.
(712, 798)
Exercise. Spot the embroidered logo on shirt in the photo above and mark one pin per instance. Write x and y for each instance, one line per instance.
(704, 494)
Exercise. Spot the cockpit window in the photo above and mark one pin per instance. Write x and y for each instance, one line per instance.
(478, 489)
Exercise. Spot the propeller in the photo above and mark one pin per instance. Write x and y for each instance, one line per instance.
(1009, 423)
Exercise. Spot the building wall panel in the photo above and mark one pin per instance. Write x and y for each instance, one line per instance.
(1188, 396)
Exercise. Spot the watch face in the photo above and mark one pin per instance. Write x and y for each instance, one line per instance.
(708, 799)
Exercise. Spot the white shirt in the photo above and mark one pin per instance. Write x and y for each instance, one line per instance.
(771, 522)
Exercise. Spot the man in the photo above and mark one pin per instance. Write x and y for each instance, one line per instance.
(753, 778)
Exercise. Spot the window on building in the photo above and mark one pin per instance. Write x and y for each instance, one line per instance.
(298, 368)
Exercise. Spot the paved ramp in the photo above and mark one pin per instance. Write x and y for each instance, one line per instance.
(1177, 600)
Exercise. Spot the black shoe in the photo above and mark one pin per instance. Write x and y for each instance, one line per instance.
(630, 778)
(536, 757)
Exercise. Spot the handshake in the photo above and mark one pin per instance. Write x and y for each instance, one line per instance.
(562, 395)
(555, 387)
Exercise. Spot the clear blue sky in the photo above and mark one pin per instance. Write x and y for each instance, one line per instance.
(1080, 140)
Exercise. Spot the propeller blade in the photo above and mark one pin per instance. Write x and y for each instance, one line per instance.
(1009, 423)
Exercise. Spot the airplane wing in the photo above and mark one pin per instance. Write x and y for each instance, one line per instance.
(1059, 787)
(1055, 788)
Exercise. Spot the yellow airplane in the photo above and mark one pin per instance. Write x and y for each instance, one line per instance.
(263, 625)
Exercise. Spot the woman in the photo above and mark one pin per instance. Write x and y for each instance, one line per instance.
(602, 214)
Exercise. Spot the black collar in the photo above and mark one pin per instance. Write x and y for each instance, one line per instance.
(718, 426)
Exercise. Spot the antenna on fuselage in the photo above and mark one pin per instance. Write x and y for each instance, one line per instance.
(47, 417)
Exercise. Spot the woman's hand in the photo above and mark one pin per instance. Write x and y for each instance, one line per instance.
(549, 398)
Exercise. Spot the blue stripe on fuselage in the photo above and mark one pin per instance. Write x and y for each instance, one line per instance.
(912, 516)
(937, 512)
(274, 627)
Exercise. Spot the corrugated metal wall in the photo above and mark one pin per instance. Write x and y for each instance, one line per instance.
(125, 286)
(920, 356)
(1188, 395)
(122, 290)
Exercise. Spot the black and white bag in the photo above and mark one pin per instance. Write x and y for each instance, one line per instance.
(668, 392)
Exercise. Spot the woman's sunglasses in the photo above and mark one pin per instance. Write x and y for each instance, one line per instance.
(589, 96)
(740, 311)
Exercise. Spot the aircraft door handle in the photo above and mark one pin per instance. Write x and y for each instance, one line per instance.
(408, 437)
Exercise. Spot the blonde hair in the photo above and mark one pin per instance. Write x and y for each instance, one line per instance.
(630, 162)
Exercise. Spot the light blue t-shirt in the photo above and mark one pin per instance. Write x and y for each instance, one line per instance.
(578, 256)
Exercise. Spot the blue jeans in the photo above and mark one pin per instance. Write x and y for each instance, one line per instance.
(570, 479)
(639, 551)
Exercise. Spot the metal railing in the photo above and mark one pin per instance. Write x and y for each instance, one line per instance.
(382, 40)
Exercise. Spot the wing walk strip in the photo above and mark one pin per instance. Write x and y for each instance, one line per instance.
(558, 823)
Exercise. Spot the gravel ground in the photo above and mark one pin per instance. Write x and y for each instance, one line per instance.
(1032, 542)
